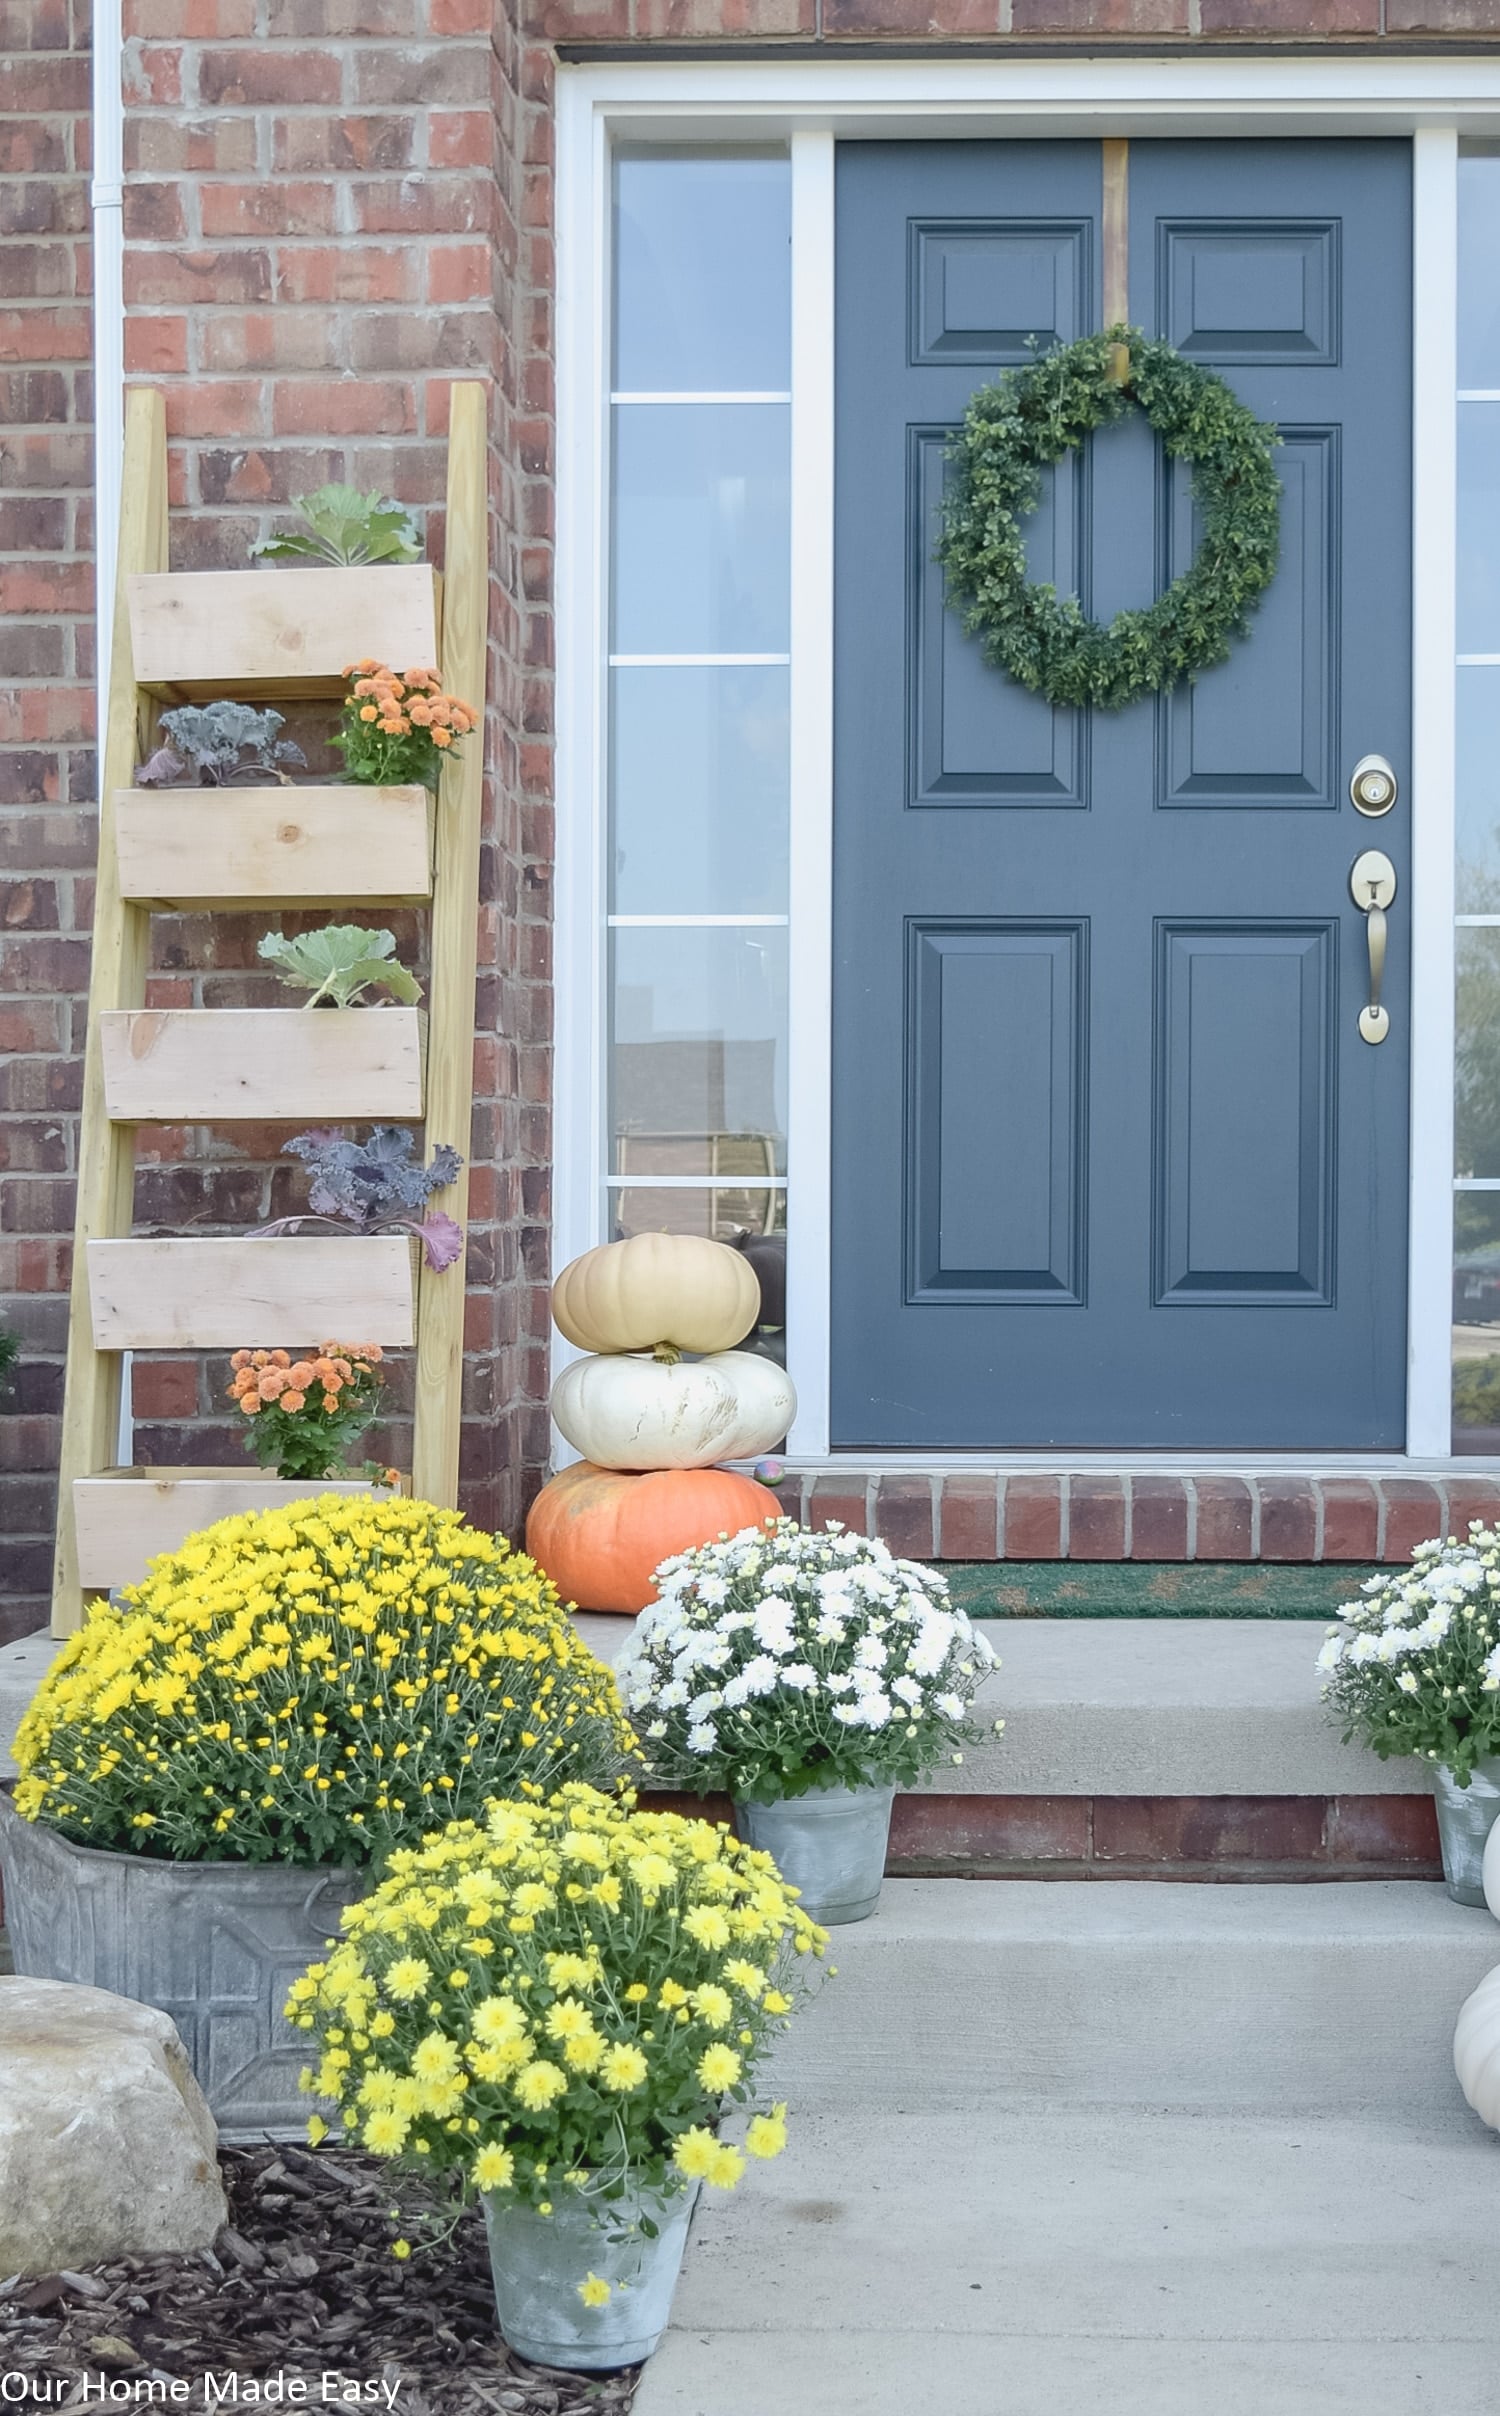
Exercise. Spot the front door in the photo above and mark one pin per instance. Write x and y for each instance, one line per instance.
(1113, 1165)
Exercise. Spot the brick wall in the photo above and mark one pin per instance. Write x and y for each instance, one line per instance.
(334, 208)
(46, 731)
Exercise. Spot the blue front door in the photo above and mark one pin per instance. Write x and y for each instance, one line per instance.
(1113, 1165)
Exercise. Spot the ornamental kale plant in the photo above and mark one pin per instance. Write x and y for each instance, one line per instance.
(1414, 1668)
(342, 526)
(777, 1662)
(220, 743)
(377, 1186)
(339, 964)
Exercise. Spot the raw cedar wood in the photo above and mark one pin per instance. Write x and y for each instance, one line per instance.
(333, 208)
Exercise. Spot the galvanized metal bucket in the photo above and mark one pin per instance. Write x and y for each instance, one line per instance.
(1465, 1817)
(829, 1843)
(214, 1944)
(539, 2263)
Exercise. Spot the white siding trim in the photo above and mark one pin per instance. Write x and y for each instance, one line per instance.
(1434, 646)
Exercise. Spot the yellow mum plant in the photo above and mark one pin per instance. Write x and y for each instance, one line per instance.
(316, 1684)
(559, 1999)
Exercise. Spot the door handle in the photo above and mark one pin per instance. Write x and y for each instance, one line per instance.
(1372, 885)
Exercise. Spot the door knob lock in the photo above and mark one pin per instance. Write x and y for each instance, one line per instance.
(1373, 786)
(1372, 885)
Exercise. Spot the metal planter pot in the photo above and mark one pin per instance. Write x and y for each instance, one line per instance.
(830, 1844)
(214, 1944)
(539, 2261)
(1465, 1818)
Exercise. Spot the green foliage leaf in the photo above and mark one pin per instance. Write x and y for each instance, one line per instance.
(339, 964)
(343, 527)
(1034, 416)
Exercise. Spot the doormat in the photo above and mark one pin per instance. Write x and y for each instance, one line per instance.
(1137, 1589)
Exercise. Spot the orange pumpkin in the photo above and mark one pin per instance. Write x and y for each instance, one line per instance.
(600, 1533)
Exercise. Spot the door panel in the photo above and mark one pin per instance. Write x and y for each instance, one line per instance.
(1112, 1166)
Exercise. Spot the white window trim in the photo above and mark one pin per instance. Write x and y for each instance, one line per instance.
(809, 104)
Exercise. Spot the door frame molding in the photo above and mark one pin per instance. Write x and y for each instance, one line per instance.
(1435, 101)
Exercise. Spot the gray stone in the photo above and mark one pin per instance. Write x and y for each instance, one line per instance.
(107, 2148)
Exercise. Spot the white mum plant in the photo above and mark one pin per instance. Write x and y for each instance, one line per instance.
(780, 1660)
(1414, 1666)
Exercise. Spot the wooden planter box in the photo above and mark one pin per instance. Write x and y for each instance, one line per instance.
(124, 1516)
(253, 1292)
(271, 633)
(169, 1065)
(250, 848)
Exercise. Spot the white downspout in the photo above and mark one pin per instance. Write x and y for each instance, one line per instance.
(106, 197)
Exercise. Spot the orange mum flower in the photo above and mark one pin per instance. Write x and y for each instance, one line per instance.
(294, 1402)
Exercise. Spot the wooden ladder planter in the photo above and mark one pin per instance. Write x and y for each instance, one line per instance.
(176, 849)
(266, 635)
(125, 1516)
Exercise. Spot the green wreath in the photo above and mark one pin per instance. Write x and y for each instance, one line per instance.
(1039, 413)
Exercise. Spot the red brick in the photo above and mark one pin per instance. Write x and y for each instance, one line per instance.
(749, 20)
(157, 279)
(1096, 1518)
(1313, 19)
(1099, 16)
(428, 205)
(1158, 1518)
(1471, 1498)
(259, 77)
(1350, 1519)
(1442, 16)
(1288, 1519)
(1031, 1513)
(343, 407)
(232, 341)
(345, 273)
(43, 86)
(155, 347)
(903, 1515)
(216, 407)
(835, 1500)
(1413, 1513)
(460, 138)
(1020, 1829)
(1384, 1829)
(1225, 1515)
(62, 334)
(967, 1518)
(459, 272)
(164, 1388)
(267, 207)
(1208, 1828)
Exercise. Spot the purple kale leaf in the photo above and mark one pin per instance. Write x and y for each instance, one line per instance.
(381, 1181)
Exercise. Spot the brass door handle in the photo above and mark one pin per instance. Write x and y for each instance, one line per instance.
(1372, 885)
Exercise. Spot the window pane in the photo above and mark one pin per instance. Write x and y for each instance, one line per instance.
(1479, 528)
(703, 266)
(701, 528)
(698, 773)
(699, 1057)
(1476, 1321)
(1478, 800)
(1477, 1075)
(1479, 272)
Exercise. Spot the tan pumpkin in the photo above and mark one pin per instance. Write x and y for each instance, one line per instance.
(600, 1535)
(670, 1289)
(632, 1410)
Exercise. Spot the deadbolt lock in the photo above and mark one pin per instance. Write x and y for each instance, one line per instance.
(1373, 786)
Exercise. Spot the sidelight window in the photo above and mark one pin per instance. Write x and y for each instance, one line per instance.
(698, 683)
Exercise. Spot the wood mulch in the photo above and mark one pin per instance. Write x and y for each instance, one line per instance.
(300, 2284)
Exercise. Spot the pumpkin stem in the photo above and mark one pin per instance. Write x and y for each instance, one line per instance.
(666, 1354)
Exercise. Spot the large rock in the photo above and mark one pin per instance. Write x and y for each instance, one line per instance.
(107, 2147)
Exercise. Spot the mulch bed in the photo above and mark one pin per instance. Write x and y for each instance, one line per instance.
(300, 2283)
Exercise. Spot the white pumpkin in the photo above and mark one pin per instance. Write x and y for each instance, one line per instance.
(676, 1288)
(1476, 2049)
(634, 1411)
(1492, 1870)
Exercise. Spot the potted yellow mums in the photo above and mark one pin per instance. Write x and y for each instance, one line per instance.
(212, 1770)
(554, 2005)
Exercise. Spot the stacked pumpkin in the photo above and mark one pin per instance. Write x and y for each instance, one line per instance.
(662, 1398)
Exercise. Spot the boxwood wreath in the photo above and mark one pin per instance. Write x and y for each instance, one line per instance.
(1039, 413)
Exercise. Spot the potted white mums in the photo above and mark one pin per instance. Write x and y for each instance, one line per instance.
(1414, 1668)
(806, 1675)
(552, 2006)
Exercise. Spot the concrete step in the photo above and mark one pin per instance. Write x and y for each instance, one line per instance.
(992, 2263)
(961, 1994)
(1148, 1707)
